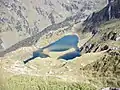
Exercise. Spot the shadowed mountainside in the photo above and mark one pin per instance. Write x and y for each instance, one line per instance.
(111, 11)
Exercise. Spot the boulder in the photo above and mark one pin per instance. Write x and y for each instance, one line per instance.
(104, 48)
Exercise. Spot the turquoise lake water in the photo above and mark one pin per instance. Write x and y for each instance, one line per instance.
(65, 43)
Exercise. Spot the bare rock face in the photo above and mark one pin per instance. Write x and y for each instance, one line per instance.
(110, 36)
(104, 47)
(111, 11)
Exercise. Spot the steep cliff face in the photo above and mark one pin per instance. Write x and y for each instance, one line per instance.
(111, 11)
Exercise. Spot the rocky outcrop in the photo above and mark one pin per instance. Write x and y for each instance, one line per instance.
(109, 36)
(94, 24)
(118, 39)
(106, 47)
(94, 48)
(111, 88)
(108, 66)
(111, 11)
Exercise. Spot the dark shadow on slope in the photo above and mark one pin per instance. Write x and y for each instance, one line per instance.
(111, 11)
(70, 56)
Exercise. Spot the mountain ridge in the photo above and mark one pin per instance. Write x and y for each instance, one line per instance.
(98, 66)
(27, 28)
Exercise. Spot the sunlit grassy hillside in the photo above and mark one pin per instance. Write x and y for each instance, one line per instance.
(53, 74)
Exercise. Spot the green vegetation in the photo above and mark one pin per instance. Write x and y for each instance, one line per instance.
(106, 69)
(101, 69)
(106, 36)
(25, 82)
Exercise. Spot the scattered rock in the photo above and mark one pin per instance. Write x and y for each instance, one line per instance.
(109, 88)
(96, 49)
(104, 48)
(114, 36)
(118, 39)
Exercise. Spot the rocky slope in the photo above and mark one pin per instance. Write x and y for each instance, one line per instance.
(107, 69)
(27, 18)
(111, 11)
(98, 67)
(36, 15)
(104, 34)
(107, 38)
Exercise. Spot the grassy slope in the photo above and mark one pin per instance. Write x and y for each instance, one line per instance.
(71, 71)
(68, 76)
(113, 25)
(105, 71)
(41, 83)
